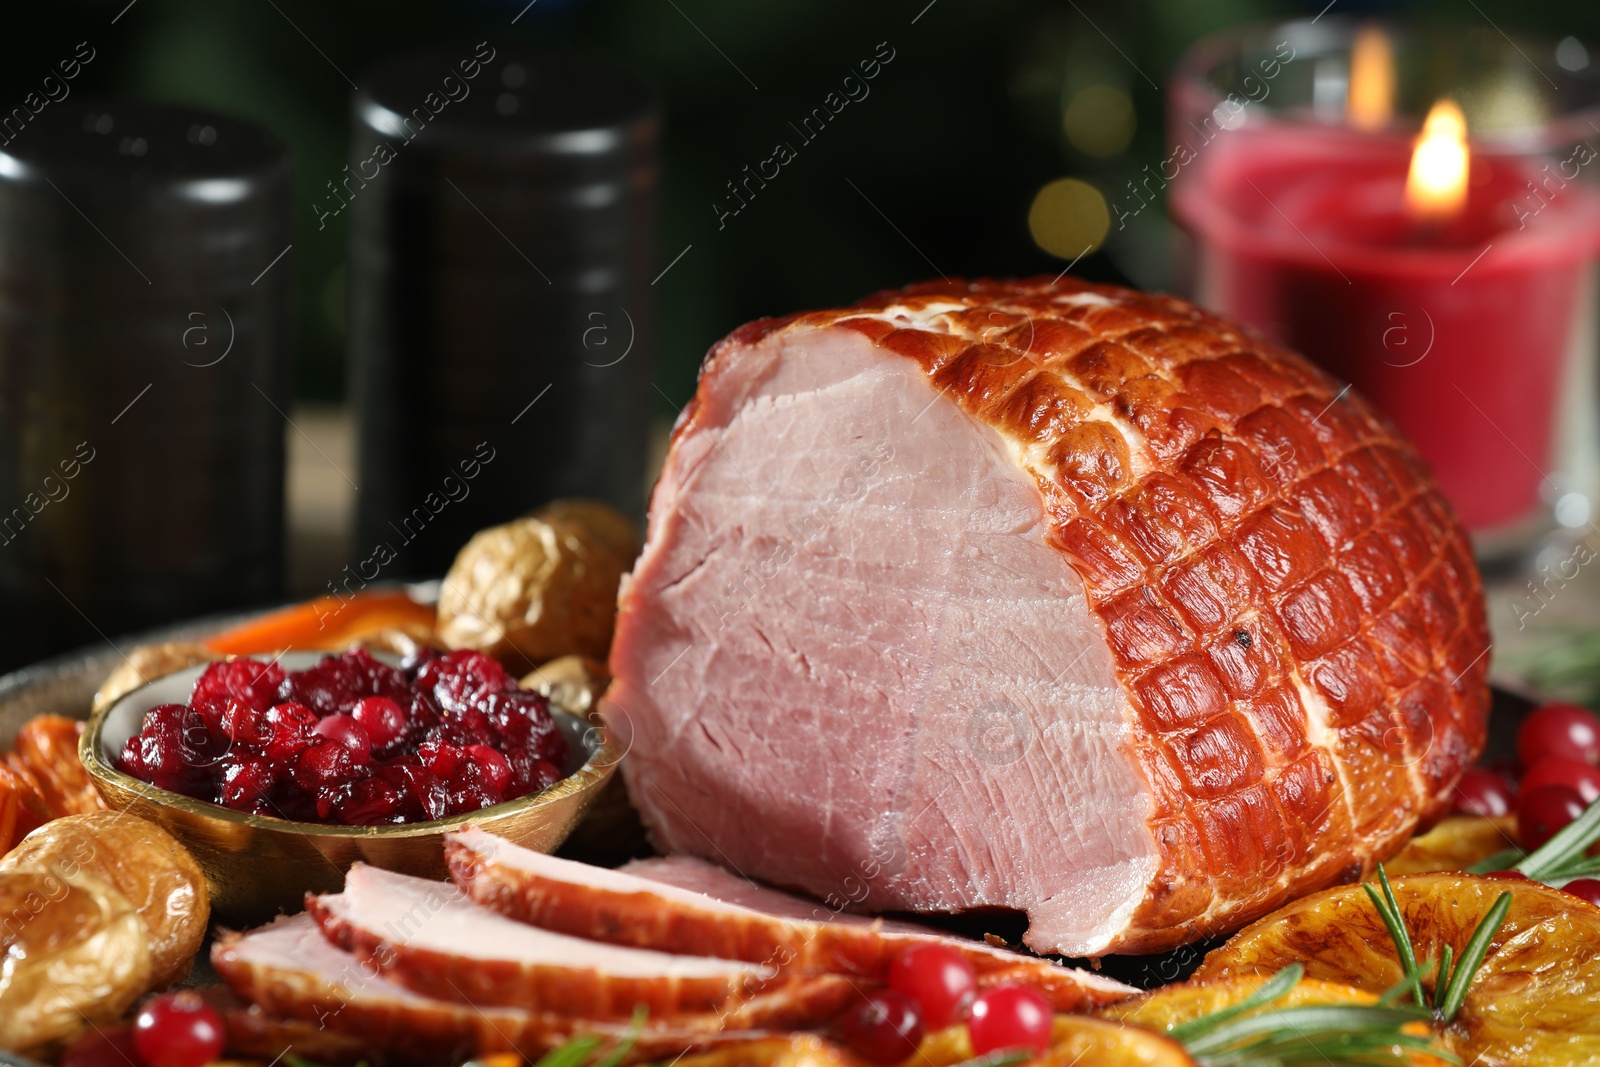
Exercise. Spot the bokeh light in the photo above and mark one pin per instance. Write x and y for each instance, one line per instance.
(1068, 218)
(1099, 120)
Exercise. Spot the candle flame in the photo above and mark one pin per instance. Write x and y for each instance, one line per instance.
(1371, 97)
(1436, 187)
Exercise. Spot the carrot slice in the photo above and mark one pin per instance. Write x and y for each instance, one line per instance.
(326, 622)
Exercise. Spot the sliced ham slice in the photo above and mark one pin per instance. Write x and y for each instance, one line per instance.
(682, 904)
(289, 972)
(1045, 596)
(432, 938)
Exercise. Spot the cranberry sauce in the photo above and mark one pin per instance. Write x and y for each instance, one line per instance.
(352, 740)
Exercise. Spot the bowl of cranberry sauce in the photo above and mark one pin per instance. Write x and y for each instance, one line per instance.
(278, 774)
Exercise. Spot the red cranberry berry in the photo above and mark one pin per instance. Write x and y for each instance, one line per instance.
(382, 718)
(1483, 792)
(323, 767)
(1559, 731)
(1007, 1017)
(249, 681)
(371, 802)
(247, 783)
(496, 768)
(886, 1027)
(1581, 778)
(102, 1046)
(243, 724)
(178, 1030)
(939, 979)
(335, 683)
(1584, 889)
(1545, 811)
(462, 679)
(439, 757)
(348, 732)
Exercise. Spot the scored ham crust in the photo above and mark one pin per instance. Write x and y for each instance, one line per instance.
(682, 904)
(1046, 596)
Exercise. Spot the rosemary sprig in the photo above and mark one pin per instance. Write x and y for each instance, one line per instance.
(1450, 983)
(1003, 1058)
(1472, 957)
(1252, 1033)
(1389, 911)
(1273, 989)
(1564, 852)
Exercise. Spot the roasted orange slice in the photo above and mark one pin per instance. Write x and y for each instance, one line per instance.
(1455, 844)
(1532, 1003)
(1078, 1041)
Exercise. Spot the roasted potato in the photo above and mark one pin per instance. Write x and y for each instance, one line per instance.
(146, 663)
(540, 587)
(144, 863)
(571, 682)
(73, 949)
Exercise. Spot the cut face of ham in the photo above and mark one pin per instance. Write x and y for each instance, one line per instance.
(1051, 597)
(682, 904)
(289, 971)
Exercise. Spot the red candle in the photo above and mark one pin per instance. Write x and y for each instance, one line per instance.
(1457, 319)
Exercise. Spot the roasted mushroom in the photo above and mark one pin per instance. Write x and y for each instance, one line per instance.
(146, 663)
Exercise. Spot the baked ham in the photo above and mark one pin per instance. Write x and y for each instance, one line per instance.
(1046, 596)
(682, 904)
(290, 973)
(431, 938)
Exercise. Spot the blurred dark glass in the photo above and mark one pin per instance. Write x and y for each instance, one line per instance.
(501, 250)
(144, 326)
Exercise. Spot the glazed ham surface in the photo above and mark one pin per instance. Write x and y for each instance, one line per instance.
(682, 904)
(1053, 597)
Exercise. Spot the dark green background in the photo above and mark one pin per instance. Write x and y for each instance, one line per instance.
(959, 132)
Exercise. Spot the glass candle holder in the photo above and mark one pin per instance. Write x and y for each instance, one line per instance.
(1451, 282)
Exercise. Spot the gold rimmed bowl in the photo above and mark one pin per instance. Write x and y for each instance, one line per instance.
(258, 866)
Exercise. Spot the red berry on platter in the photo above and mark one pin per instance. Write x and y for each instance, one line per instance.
(177, 1030)
(1581, 778)
(102, 1046)
(884, 1028)
(1545, 811)
(1009, 1016)
(1584, 889)
(1559, 731)
(939, 979)
(1483, 792)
